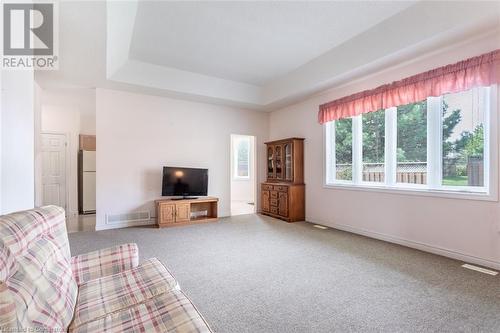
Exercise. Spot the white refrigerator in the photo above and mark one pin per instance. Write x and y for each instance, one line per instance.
(87, 182)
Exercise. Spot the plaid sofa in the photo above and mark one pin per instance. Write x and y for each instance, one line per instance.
(44, 289)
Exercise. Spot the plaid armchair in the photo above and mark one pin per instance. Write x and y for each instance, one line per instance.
(43, 288)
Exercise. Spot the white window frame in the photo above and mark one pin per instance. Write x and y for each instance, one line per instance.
(237, 140)
(434, 185)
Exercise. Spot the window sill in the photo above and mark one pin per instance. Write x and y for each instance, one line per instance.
(417, 190)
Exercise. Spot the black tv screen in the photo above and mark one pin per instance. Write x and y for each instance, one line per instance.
(184, 181)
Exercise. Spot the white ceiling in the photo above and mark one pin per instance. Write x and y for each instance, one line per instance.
(250, 42)
(259, 55)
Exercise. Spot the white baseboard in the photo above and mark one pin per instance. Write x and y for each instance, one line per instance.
(152, 221)
(124, 225)
(415, 245)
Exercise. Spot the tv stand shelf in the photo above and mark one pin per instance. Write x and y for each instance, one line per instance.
(175, 212)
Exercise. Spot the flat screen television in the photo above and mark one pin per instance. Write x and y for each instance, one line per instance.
(184, 182)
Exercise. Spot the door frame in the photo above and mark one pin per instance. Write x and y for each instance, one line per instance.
(253, 144)
(67, 168)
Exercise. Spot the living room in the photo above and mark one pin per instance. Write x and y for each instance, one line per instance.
(365, 135)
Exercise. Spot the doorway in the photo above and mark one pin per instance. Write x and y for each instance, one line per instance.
(54, 154)
(243, 174)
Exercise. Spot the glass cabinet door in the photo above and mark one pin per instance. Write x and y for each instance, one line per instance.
(288, 161)
(279, 162)
(270, 162)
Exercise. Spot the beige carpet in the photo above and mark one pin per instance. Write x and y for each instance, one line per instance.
(256, 274)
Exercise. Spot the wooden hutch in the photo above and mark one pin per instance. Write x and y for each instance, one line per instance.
(283, 194)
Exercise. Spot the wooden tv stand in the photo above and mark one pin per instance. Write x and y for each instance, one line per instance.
(171, 213)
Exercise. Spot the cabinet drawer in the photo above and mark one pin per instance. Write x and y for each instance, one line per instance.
(281, 188)
(274, 202)
(274, 210)
(274, 194)
(267, 187)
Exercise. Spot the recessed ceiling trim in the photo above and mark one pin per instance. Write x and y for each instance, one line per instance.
(120, 21)
(445, 23)
(361, 54)
(175, 80)
(98, 55)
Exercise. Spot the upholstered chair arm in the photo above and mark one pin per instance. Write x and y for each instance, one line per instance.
(112, 260)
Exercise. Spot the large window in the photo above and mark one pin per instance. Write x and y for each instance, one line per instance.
(439, 144)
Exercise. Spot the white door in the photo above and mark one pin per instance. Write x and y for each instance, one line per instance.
(54, 169)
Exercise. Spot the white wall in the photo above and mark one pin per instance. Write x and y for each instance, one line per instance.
(139, 134)
(17, 141)
(1, 140)
(38, 142)
(74, 100)
(71, 112)
(243, 189)
(465, 229)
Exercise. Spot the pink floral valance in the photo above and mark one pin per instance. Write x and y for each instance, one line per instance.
(483, 70)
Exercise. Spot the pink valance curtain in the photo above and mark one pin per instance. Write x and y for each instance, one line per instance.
(483, 70)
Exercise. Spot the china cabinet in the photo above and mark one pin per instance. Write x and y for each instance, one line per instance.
(283, 194)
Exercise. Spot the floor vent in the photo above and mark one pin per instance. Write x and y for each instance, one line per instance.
(322, 227)
(127, 217)
(479, 269)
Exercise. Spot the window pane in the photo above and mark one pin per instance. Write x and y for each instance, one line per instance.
(412, 143)
(463, 138)
(343, 149)
(242, 158)
(374, 146)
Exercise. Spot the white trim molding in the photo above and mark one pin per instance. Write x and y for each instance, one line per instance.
(108, 226)
(414, 245)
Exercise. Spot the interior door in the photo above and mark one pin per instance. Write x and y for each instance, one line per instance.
(54, 169)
